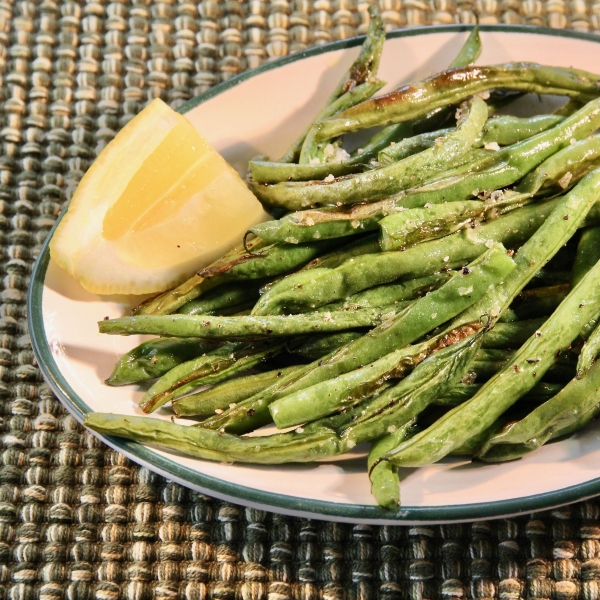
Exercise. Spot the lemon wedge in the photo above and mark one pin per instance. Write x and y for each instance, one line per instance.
(158, 204)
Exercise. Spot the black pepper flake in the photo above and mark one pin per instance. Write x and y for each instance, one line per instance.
(566, 217)
(535, 374)
(107, 318)
(532, 361)
(402, 248)
(465, 270)
(250, 412)
(581, 305)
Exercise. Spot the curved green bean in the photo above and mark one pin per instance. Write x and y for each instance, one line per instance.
(262, 262)
(224, 394)
(416, 225)
(470, 51)
(589, 353)
(212, 368)
(450, 87)
(385, 485)
(574, 405)
(363, 68)
(383, 181)
(156, 357)
(313, 151)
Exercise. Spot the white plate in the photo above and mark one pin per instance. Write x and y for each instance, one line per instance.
(262, 112)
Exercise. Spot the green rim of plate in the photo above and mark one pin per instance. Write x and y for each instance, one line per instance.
(279, 502)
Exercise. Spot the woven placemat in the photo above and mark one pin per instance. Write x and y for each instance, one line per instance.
(79, 521)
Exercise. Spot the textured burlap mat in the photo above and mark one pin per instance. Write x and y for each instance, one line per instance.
(79, 521)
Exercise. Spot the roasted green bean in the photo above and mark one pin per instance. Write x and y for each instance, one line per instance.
(574, 405)
(226, 393)
(450, 87)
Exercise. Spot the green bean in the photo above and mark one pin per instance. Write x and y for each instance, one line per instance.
(363, 68)
(503, 130)
(269, 261)
(451, 87)
(374, 297)
(224, 296)
(420, 317)
(531, 361)
(574, 405)
(412, 145)
(326, 223)
(563, 169)
(385, 485)
(506, 130)
(589, 353)
(156, 357)
(294, 281)
(588, 253)
(212, 368)
(383, 181)
(450, 252)
(252, 327)
(171, 300)
(470, 51)
(330, 437)
(264, 171)
(311, 150)
(226, 393)
(416, 225)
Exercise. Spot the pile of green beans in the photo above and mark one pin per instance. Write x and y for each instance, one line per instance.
(414, 291)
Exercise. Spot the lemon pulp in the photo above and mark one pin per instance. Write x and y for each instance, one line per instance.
(158, 204)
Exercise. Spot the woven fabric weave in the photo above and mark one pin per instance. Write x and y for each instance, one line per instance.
(79, 521)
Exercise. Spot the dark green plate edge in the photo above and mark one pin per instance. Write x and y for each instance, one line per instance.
(279, 502)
